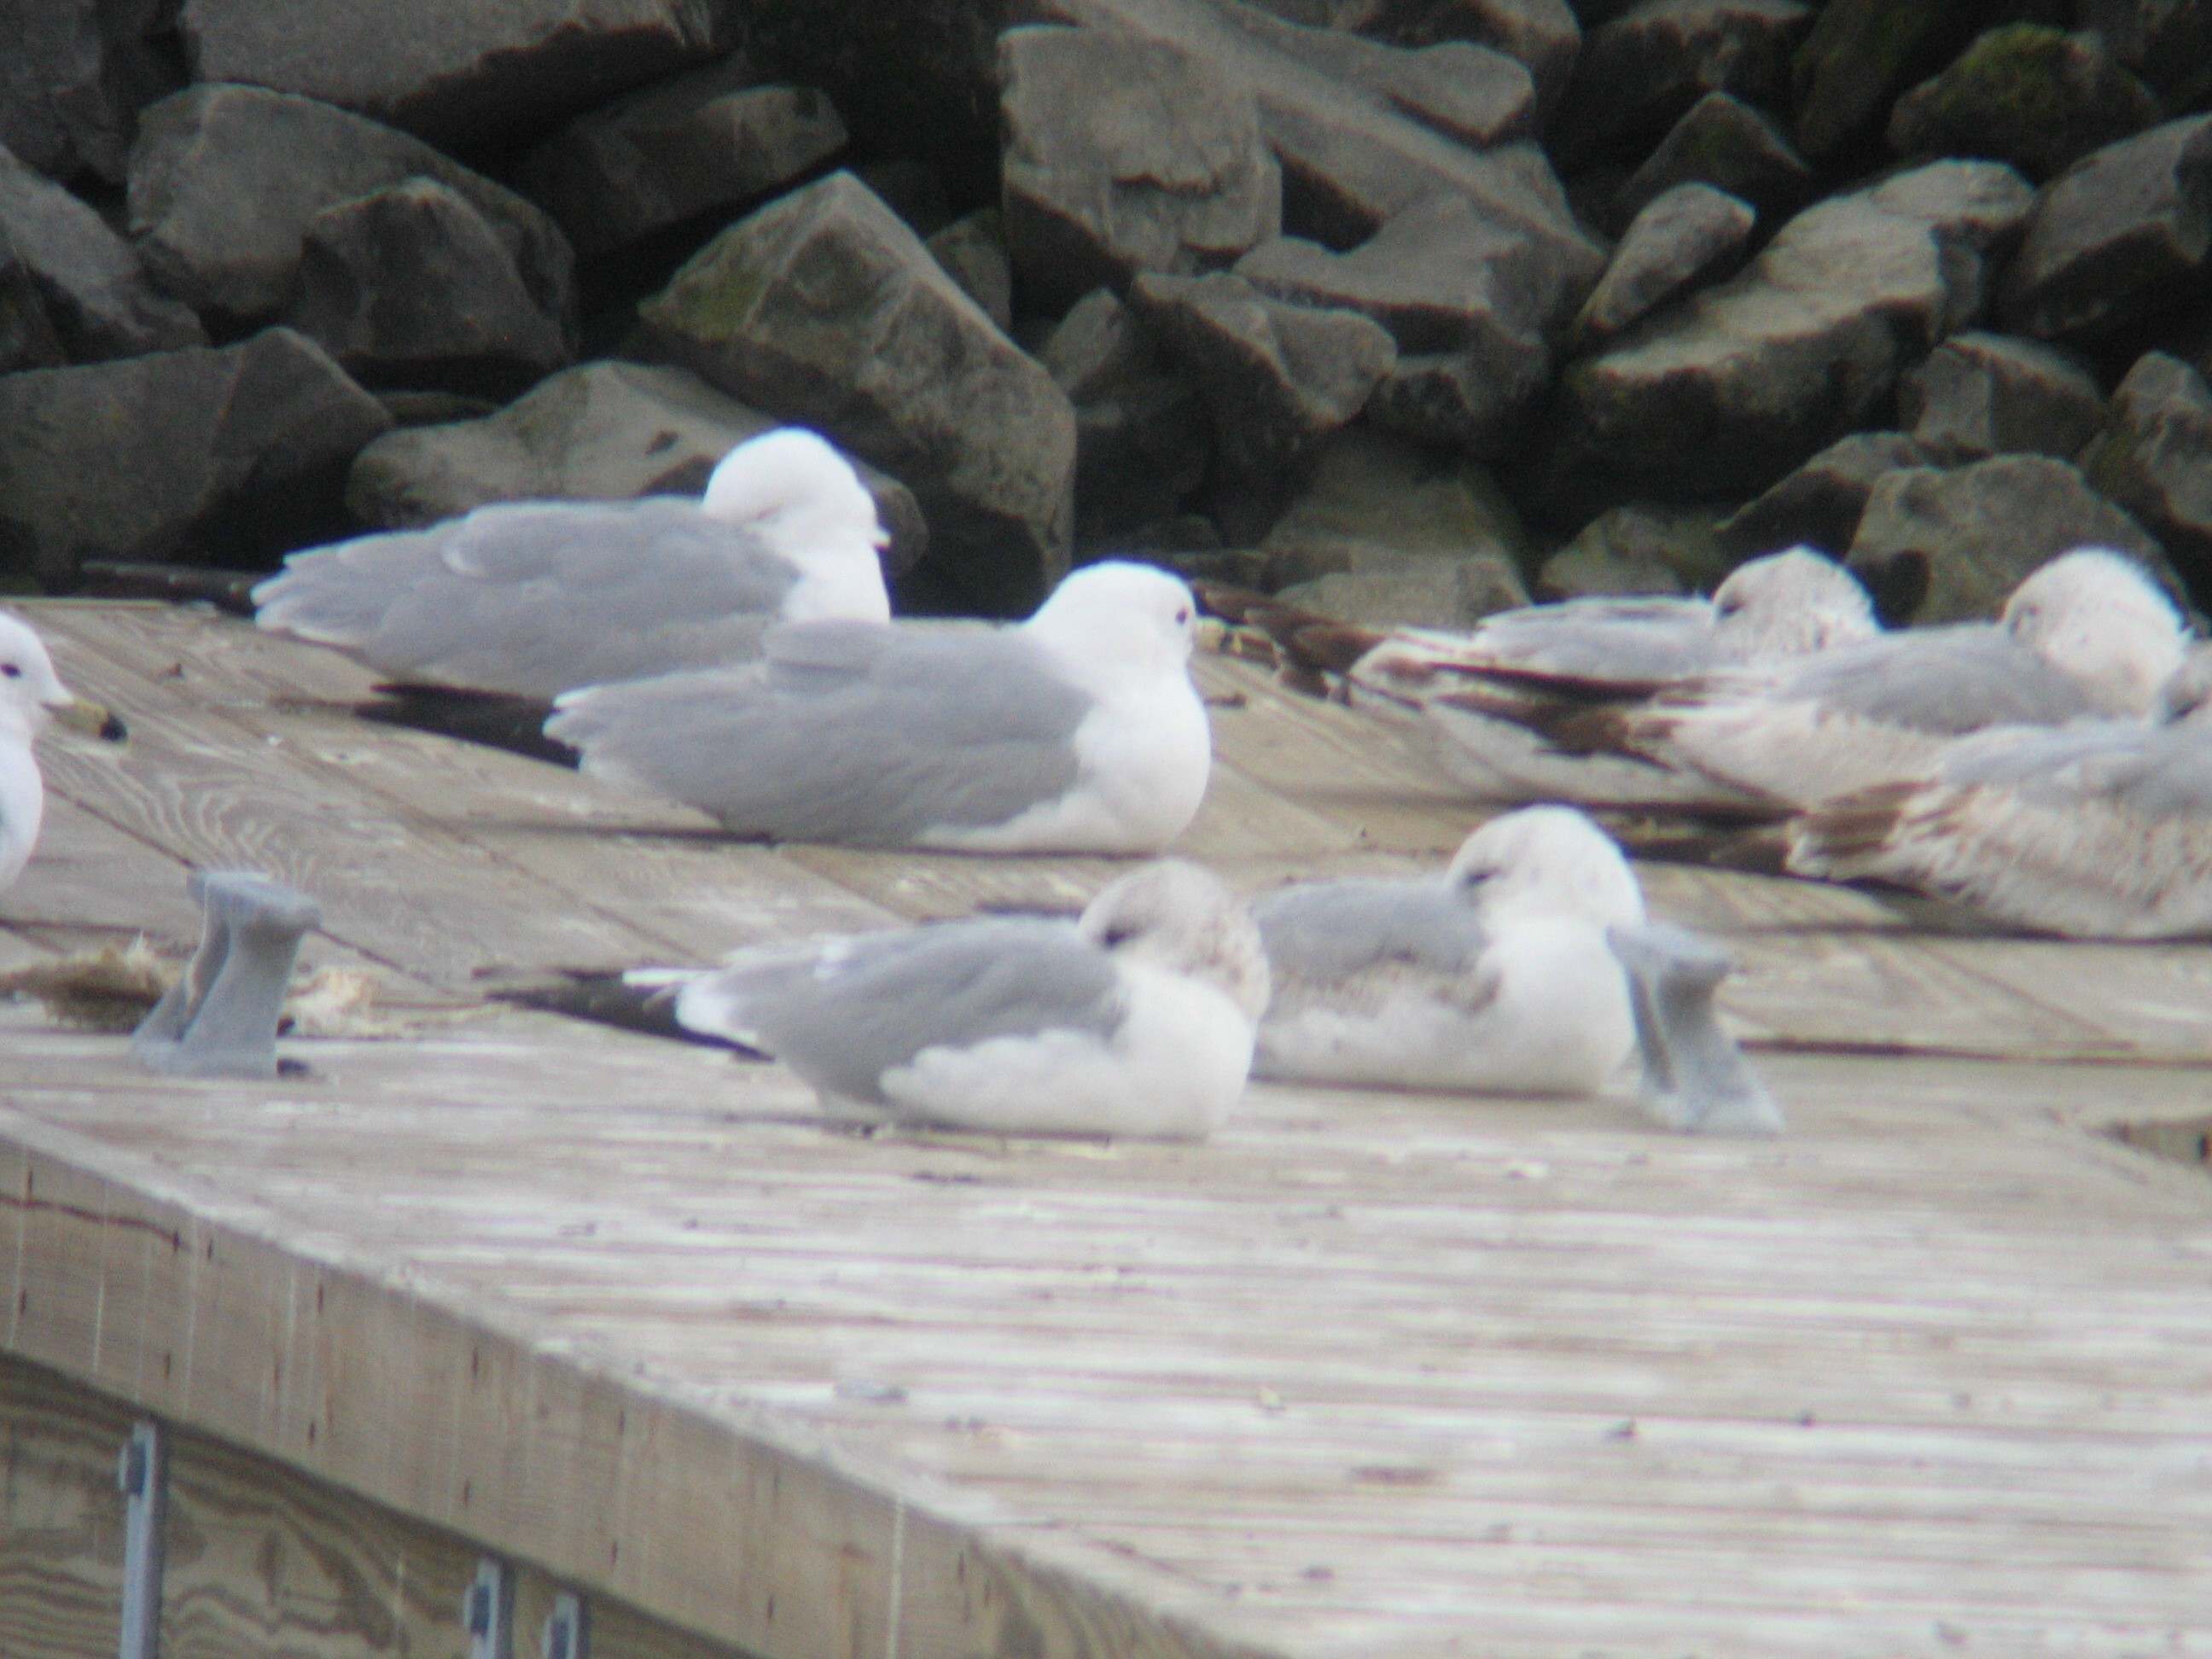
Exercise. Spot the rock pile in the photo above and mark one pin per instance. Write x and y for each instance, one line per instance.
(1411, 308)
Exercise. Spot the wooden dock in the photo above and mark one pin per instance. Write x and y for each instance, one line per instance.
(1373, 1374)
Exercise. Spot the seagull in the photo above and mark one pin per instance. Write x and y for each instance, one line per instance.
(1078, 730)
(1496, 976)
(1136, 1019)
(31, 694)
(2088, 636)
(1488, 698)
(2098, 830)
(528, 599)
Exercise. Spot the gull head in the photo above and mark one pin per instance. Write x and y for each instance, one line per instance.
(1116, 621)
(1545, 862)
(1791, 604)
(2099, 617)
(1176, 915)
(31, 691)
(789, 487)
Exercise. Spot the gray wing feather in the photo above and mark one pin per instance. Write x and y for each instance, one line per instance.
(848, 733)
(536, 598)
(1324, 932)
(843, 1016)
(2149, 772)
(1630, 640)
(1945, 681)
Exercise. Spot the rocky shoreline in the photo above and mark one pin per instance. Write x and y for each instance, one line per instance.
(1412, 309)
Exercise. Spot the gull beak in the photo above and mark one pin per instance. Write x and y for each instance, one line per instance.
(80, 714)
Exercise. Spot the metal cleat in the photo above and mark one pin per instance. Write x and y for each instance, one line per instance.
(220, 1019)
(1695, 1078)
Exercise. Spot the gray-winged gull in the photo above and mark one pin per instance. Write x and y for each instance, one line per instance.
(31, 694)
(1135, 1020)
(1494, 976)
(2088, 635)
(1078, 730)
(1486, 697)
(2099, 831)
(531, 598)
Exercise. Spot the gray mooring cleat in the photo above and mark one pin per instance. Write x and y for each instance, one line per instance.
(1695, 1078)
(220, 1019)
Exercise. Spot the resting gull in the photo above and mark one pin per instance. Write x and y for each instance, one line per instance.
(2098, 830)
(532, 599)
(31, 694)
(1496, 976)
(1078, 730)
(1486, 697)
(1135, 1020)
(2088, 636)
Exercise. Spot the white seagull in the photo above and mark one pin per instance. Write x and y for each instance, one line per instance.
(1496, 976)
(1136, 1020)
(2098, 830)
(532, 599)
(31, 694)
(2088, 636)
(1078, 730)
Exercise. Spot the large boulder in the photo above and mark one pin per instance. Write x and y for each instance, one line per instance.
(824, 307)
(2035, 96)
(2121, 234)
(1682, 239)
(223, 457)
(1142, 438)
(457, 75)
(1545, 36)
(599, 432)
(712, 140)
(410, 285)
(72, 75)
(1724, 142)
(1724, 394)
(1278, 377)
(1125, 154)
(1468, 302)
(224, 181)
(1642, 548)
(2154, 456)
(1641, 73)
(1468, 92)
(1980, 395)
(1939, 547)
(1819, 504)
(86, 279)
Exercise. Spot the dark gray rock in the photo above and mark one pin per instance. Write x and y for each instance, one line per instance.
(1468, 302)
(1276, 377)
(973, 251)
(225, 180)
(1642, 548)
(1819, 504)
(1470, 93)
(2154, 457)
(599, 432)
(1980, 395)
(73, 74)
(2037, 97)
(1351, 159)
(1124, 153)
(1641, 73)
(224, 457)
(1142, 438)
(27, 339)
(710, 140)
(1383, 589)
(411, 286)
(1723, 395)
(1543, 35)
(2119, 236)
(2167, 42)
(457, 75)
(1964, 540)
(1685, 238)
(86, 278)
(1724, 142)
(1861, 55)
(824, 307)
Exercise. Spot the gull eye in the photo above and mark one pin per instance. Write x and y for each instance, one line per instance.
(1182, 614)
(13, 671)
(1117, 935)
(1729, 607)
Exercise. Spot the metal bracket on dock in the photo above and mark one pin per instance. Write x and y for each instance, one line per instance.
(488, 1610)
(1695, 1077)
(142, 1471)
(220, 1019)
(567, 1634)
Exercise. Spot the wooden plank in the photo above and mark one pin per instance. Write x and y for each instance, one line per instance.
(60, 1518)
